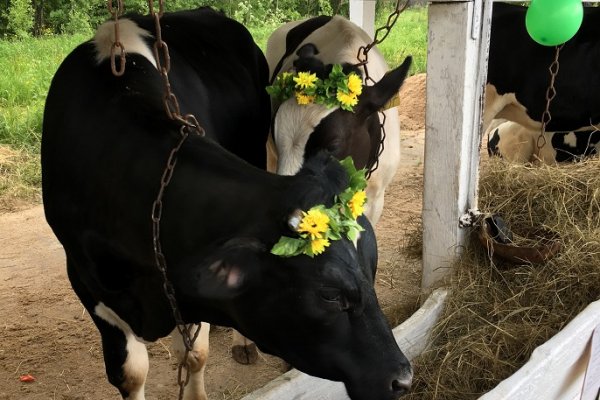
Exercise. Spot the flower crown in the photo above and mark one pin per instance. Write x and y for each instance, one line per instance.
(339, 89)
(319, 225)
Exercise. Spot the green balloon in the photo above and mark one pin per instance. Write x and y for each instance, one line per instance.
(553, 22)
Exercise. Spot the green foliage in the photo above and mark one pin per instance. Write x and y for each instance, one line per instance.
(20, 19)
(407, 37)
(27, 68)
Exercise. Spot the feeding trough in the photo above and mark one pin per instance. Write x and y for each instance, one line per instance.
(535, 246)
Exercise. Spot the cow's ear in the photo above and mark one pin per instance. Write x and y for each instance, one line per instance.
(228, 272)
(373, 98)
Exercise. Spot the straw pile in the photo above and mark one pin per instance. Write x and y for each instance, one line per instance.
(498, 312)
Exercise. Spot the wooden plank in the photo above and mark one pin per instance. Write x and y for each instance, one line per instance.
(362, 13)
(412, 337)
(555, 369)
(456, 73)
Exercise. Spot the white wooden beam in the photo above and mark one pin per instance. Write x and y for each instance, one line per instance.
(456, 75)
(362, 13)
(557, 368)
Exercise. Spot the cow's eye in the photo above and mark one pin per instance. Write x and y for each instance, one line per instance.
(334, 297)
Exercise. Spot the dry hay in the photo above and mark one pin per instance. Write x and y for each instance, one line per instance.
(498, 313)
(19, 178)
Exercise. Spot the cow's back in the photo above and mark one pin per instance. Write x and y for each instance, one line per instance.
(217, 73)
(230, 100)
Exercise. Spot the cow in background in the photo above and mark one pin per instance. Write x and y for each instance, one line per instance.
(105, 145)
(518, 74)
(300, 131)
(517, 143)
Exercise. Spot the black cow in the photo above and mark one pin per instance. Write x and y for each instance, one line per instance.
(105, 144)
(518, 73)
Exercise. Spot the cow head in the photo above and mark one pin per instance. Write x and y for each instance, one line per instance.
(318, 313)
(300, 131)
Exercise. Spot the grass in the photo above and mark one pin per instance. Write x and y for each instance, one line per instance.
(28, 67)
(408, 37)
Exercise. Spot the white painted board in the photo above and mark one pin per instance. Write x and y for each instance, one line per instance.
(556, 369)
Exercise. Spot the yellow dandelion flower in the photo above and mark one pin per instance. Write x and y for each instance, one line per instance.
(357, 203)
(304, 99)
(355, 84)
(305, 80)
(347, 99)
(318, 246)
(315, 223)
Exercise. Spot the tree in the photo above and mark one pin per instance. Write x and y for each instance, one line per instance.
(20, 18)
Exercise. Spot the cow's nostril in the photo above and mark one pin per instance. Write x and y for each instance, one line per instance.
(400, 386)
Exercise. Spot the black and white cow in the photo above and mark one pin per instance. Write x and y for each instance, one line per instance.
(518, 73)
(105, 145)
(300, 131)
(517, 143)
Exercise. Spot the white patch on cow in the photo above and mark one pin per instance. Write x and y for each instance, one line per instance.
(505, 106)
(570, 139)
(519, 144)
(293, 125)
(130, 35)
(136, 364)
(389, 161)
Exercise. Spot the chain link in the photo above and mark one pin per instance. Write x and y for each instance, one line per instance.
(363, 60)
(550, 94)
(116, 44)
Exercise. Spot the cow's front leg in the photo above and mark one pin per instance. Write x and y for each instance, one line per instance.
(196, 361)
(243, 350)
(125, 357)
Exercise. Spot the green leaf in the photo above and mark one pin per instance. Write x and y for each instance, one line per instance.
(288, 247)
(352, 233)
(358, 180)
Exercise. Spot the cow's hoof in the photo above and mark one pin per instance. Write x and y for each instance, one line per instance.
(245, 354)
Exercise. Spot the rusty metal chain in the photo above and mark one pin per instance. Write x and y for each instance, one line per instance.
(550, 94)
(189, 124)
(363, 60)
(163, 64)
(116, 44)
(161, 264)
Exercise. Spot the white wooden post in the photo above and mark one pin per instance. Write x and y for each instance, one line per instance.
(362, 13)
(458, 45)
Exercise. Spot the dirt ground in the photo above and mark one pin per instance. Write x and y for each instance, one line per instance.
(45, 331)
